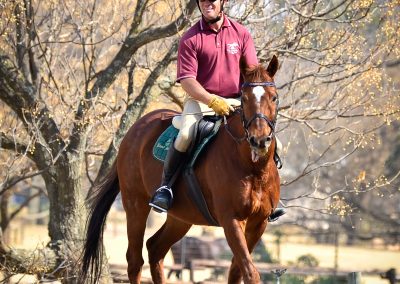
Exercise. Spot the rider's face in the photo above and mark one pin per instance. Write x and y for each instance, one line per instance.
(210, 9)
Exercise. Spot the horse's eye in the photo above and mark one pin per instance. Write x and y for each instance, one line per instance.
(274, 98)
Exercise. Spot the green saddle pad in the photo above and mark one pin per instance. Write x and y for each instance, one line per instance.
(163, 143)
(166, 139)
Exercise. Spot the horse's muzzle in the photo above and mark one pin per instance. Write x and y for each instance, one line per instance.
(264, 142)
(259, 146)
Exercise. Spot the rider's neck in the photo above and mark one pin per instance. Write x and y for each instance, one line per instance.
(217, 25)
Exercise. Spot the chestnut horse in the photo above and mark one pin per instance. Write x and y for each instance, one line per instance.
(237, 175)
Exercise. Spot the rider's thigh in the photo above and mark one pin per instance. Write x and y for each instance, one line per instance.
(190, 115)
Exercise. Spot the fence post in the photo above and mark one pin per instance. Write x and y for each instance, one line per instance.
(354, 278)
(191, 269)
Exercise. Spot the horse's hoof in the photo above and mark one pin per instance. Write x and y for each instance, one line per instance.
(278, 212)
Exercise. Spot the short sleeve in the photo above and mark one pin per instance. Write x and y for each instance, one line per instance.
(187, 60)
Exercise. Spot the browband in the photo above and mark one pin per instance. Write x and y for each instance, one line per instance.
(255, 84)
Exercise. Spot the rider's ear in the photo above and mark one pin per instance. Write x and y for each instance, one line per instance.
(273, 66)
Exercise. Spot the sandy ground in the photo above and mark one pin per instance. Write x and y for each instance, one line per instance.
(349, 258)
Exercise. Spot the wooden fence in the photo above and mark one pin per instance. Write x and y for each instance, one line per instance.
(220, 268)
(195, 254)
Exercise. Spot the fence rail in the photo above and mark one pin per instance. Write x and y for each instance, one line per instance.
(222, 267)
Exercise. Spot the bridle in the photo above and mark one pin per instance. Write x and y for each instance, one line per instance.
(246, 123)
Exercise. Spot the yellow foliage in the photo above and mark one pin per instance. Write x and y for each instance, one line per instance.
(361, 176)
(339, 206)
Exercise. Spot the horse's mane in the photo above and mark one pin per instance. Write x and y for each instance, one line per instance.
(255, 73)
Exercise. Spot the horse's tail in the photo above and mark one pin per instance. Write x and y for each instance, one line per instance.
(99, 203)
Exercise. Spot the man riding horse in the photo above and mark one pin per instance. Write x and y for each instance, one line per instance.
(208, 70)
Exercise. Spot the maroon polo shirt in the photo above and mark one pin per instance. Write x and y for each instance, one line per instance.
(213, 57)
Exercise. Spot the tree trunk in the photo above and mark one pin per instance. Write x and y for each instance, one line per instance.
(60, 258)
(67, 213)
(4, 214)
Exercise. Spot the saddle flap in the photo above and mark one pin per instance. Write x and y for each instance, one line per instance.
(205, 131)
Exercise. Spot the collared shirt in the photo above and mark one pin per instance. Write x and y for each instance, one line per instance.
(212, 57)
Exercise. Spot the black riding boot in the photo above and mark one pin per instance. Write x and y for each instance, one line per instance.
(162, 198)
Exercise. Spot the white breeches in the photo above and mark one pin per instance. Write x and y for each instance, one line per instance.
(192, 112)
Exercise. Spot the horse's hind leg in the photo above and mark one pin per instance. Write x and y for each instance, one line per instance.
(159, 244)
(136, 216)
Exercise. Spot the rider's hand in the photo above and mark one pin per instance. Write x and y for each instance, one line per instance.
(220, 106)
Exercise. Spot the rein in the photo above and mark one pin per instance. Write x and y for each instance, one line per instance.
(228, 130)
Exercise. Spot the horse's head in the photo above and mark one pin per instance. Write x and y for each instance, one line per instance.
(259, 106)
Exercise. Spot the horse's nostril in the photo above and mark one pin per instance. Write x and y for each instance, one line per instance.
(253, 141)
(265, 141)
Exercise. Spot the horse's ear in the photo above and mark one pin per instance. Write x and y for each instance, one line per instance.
(243, 66)
(273, 66)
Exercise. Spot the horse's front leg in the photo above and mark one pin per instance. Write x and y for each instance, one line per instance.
(234, 232)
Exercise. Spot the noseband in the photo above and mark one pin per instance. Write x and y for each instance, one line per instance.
(247, 123)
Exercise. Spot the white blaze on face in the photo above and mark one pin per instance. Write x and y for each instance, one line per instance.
(258, 92)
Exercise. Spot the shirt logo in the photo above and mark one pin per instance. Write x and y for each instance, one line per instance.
(232, 48)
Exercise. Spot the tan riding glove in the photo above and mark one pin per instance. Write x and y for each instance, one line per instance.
(220, 106)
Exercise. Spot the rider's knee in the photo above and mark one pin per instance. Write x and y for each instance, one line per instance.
(183, 135)
(182, 141)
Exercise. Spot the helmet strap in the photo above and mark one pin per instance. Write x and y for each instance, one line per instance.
(213, 21)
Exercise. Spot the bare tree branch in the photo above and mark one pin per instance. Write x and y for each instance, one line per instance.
(19, 94)
(132, 43)
(135, 109)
